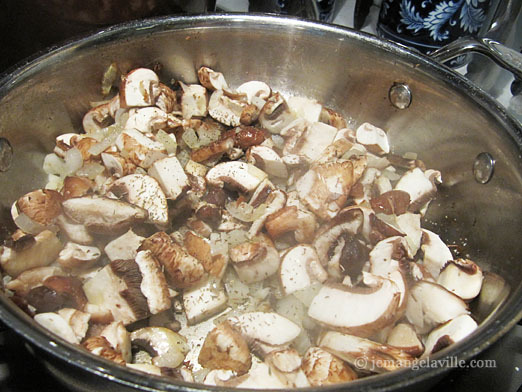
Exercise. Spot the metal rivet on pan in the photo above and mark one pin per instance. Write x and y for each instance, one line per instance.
(400, 95)
(6, 154)
(483, 167)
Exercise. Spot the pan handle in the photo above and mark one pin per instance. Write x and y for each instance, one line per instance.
(505, 57)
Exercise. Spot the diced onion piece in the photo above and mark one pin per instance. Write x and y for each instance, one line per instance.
(109, 77)
(53, 164)
(73, 161)
(90, 170)
(54, 182)
(168, 140)
(191, 138)
(111, 134)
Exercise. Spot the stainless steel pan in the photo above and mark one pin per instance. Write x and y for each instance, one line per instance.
(448, 122)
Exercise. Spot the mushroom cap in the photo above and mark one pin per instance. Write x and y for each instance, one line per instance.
(255, 88)
(462, 277)
(450, 332)
(139, 88)
(238, 175)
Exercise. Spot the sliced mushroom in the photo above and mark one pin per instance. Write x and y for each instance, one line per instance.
(125, 247)
(308, 139)
(75, 232)
(225, 348)
(273, 203)
(32, 278)
(147, 119)
(404, 337)
(145, 192)
(119, 338)
(39, 253)
(97, 118)
(323, 368)
(99, 345)
(286, 365)
(392, 202)
(139, 149)
(153, 283)
(56, 324)
(139, 88)
(276, 114)
(332, 118)
(167, 348)
(430, 304)
(267, 160)
(343, 141)
(361, 311)
(436, 253)
(373, 138)
(204, 300)
(193, 100)
(256, 260)
(462, 277)
(238, 175)
(224, 109)
(213, 150)
(410, 225)
(259, 376)
(449, 333)
(419, 185)
(254, 89)
(270, 328)
(325, 187)
(211, 79)
(76, 187)
(103, 215)
(376, 357)
(78, 256)
(306, 108)
(167, 99)
(300, 267)
(37, 211)
(201, 249)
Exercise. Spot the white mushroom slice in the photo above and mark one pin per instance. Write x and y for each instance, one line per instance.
(254, 89)
(170, 175)
(343, 141)
(167, 99)
(275, 114)
(140, 150)
(404, 337)
(269, 328)
(193, 100)
(386, 254)
(306, 108)
(323, 368)
(78, 320)
(211, 79)
(274, 202)
(78, 256)
(168, 348)
(360, 311)
(225, 348)
(56, 324)
(153, 283)
(146, 120)
(32, 278)
(40, 252)
(308, 139)
(75, 232)
(286, 365)
(376, 357)
(373, 138)
(239, 175)
(430, 304)
(462, 277)
(37, 211)
(103, 215)
(325, 187)
(125, 247)
(145, 192)
(204, 300)
(119, 338)
(420, 186)
(436, 253)
(267, 160)
(224, 109)
(409, 224)
(300, 267)
(139, 88)
(259, 377)
(255, 261)
(97, 118)
(449, 333)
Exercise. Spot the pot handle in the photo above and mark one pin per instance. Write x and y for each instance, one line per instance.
(505, 57)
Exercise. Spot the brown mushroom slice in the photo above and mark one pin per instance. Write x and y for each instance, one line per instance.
(360, 311)
(373, 138)
(323, 368)
(256, 260)
(103, 215)
(308, 139)
(40, 252)
(167, 348)
(225, 348)
(32, 278)
(213, 150)
(99, 345)
(75, 232)
(139, 88)
(275, 114)
(430, 304)
(139, 149)
(391, 202)
(204, 300)
(119, 338)
(265, 327)
(75, 256)
(449, 333)
(167, 99)
(419, 185)
(125, 247)
(145, 192)
(325, 187)
(211, 79)
(365, 354)
(239, 175)
(274, 202)
(37, 211)
(462, 277)
(300, 267)
(153, 283)
(182, 269)
(201, 248)
(436, 253)
(286, 366)
(193, 100)
(404, 337)
(225, 109)
(267, 160)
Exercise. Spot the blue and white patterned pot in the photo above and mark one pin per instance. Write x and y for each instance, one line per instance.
(429, 24)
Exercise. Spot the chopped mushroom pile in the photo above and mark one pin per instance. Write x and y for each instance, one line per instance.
(236, 237)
